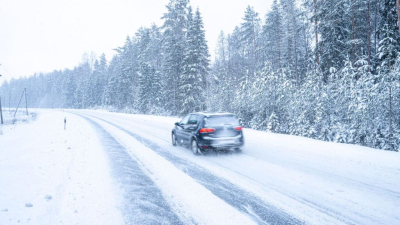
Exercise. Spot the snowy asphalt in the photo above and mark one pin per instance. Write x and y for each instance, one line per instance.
(143, 202)
(140, 208)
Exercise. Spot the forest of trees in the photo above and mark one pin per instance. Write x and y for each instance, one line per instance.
(328, 70)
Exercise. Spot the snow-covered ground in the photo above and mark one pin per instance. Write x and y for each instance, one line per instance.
(110, 168)
(49, 175)
(10, 117)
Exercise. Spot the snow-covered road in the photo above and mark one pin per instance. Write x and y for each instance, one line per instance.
(141, 178)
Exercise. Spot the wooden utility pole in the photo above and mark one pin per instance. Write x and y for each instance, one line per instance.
(19, 103)
(26, 103)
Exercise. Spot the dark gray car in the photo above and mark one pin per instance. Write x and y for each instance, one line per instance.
(208, 131)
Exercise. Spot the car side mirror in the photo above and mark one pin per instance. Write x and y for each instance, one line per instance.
(177, 124)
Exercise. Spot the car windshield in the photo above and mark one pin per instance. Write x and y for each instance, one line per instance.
(221, 121)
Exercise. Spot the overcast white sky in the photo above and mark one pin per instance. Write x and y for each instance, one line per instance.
(46, 35)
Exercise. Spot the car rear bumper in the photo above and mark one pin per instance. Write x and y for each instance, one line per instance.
(222, 142)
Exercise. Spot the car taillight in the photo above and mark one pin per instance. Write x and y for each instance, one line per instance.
(206, 130)
(238, 128)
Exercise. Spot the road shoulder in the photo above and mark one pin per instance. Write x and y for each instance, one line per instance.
(50, 175)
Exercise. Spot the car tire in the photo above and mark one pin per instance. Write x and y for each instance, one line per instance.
(195, 147)
(174, 141)
(238, 150)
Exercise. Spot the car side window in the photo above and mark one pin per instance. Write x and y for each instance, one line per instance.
(185, 120)
(193, 120)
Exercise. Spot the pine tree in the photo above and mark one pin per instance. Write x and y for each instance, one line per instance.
(272, 33)
(70, 88)
(127, 76)
(387, 53)
(250, 29)
(145, 90)
(196, 66)
(110, 94)
(334, 29)
(174, 46)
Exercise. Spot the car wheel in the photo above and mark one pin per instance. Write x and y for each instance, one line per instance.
(174, 141)
(195, 148)
(238, 150)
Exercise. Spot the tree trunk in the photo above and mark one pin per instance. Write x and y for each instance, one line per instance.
(376, 16)
(278, 39)
(398, 14)
(316, 33)
(390, 106)
(369, 37)
(352, 30)
(255, 49)
(295, 47)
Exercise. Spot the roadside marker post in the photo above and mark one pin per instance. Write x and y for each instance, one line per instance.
(1, 112)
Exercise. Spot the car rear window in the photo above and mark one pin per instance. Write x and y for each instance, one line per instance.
(221, 121)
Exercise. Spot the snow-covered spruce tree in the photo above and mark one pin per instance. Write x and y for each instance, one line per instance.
(273, 95)
(126, 76)
(174, 46)
(286, 40)
(261, 99)
(55, 95)
(389, 46)
(193, 86)
(149, 57)
(156, 62)
(110, 94)
(359, 16)
(313, 113)
(249, 33)
(219, 82)
(145, 91)
(290, 22)
(362, 121)
(236, 69)
(272, 36)
(306, 60)
(245, 40)
(82, 73)
(144, 73)
(100, 72)
(305, 107)
(203, 58)
(396, 105)
(95, 86)
(333, 29)
(346, 104)
(69, 88)
(273, 123)
(285, 102)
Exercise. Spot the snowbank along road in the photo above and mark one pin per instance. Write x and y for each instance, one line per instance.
(143, 179)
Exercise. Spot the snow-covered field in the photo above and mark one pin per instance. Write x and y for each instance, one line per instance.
(49, 175)
(110, 168)
(10, 117)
